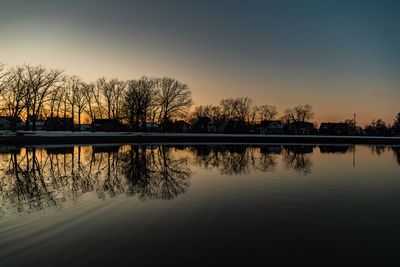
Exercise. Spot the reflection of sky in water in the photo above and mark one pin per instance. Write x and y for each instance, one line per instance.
(136, 197)
(43, 178)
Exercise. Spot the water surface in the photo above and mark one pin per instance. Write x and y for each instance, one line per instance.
(198, 204)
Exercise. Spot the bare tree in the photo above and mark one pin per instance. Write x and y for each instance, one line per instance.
(243, 105)
(14, 95)
(110, 94)
(396, 124)
(300, 113)
(3, 78)
(39, 82)
(174, 98)
(55, 100)
(267, 112)
(228, 108)
(140, 100)
(106, 89)
(80, 102)
(116, 103)
(73, 88)
(216, 113)
(254, 114)
(201, 111)
(236, 109)
(89, 94)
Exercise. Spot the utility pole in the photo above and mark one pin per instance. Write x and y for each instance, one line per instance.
(354, 121)
(354, 148)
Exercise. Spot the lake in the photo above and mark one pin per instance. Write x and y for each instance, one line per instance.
(199, 204)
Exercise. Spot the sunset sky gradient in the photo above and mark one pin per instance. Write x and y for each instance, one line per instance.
(342, 57)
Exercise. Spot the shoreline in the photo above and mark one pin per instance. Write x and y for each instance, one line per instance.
(39, 137)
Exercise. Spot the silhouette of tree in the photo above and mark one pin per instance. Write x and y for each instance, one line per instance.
(236, 109)
(89, 94)
(174, 99)
(377, 128)
(39, 83)
(267, 112)
(14, 94)
(80, 102)
(3, 78)
(300, 113)
(253, 115)
(396, 124)
(140, 99)
(111, 93)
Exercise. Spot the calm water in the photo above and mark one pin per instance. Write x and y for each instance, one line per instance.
(163, 204)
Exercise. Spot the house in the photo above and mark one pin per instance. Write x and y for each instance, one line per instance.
(39, 125)
(236, 127)
(271, 127)
(212, 127)
(300, 127)
(5, 124)
(86, 127)
(181, 126)
(330, 128)
(107, 125)
(201, 125)
(150, 126)
(58, 124)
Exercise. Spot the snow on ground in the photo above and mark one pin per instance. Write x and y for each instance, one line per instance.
(133, 134)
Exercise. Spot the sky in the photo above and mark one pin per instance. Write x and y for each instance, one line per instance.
(342, 57)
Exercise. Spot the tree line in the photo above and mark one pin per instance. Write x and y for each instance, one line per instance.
(34, 93)
(243, 109)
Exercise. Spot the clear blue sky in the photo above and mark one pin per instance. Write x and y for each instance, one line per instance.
(339, 56)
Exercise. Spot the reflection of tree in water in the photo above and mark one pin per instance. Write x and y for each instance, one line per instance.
(226, 159)
(378, 149)
(36, 179)
(334, 149)
(268, 158)
(235, 159)
(396, 151)
(155, 174)
(298, 158)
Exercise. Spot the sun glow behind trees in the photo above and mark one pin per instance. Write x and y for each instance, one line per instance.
(34, 93)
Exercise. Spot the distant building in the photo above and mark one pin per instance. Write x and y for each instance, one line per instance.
(212, 127)
(181, 126)
(236, 127)
(150, 126)
(58, 124)
(107, 125)
(201, 125)
(334, 129)
(271, 127)
(5, 124)
(302, 128)
(86, 127)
